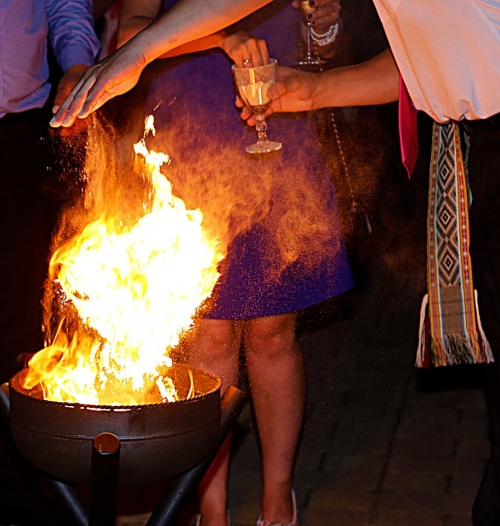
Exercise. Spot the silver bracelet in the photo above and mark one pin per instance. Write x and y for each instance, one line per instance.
(327, 38)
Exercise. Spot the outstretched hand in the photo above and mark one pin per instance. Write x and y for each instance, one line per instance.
(115, 75)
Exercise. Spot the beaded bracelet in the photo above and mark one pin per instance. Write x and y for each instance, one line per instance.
(327, 38)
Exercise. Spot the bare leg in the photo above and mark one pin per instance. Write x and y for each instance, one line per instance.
(276, 374)
(215, 347)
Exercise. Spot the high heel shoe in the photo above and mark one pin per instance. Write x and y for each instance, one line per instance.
(198, 519)
(295, 521)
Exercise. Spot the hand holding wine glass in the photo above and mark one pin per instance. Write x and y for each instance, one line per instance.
(322, 23)
(252, 85)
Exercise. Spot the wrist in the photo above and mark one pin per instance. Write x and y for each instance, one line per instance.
(221, 39)
(76, 69)
(324, 87)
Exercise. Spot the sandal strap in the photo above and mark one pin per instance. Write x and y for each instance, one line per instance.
(295, 522)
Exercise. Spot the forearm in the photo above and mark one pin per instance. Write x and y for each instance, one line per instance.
(190, 20)
(137, 15)
(373, 82)
(128, 29)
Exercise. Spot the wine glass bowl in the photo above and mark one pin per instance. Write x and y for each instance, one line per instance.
(252, 85)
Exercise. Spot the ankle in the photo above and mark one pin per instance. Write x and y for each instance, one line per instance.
(278, 504)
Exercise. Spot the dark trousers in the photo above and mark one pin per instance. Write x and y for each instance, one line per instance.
(27, 219)
(484, 179)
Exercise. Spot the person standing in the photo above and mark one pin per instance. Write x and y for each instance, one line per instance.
(33, 33)
(270, 207)
(27, 100)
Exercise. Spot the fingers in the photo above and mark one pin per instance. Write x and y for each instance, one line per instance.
(294, 91)
(72, 105)
(326, 19)
(326, 13)
(58, 101)
(247, 51)
(63, 90)
(277, 90)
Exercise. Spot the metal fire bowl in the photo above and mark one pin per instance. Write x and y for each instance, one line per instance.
(157, 441)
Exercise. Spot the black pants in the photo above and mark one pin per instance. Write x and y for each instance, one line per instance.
(484, 178)
(27, 218)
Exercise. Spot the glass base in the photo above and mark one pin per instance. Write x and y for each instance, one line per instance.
(309, 62)
(264, 147)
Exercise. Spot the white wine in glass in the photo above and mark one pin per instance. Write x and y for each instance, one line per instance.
(252, 85)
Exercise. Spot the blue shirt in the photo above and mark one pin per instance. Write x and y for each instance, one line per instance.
(26, 27)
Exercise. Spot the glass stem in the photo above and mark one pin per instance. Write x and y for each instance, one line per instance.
(309, 42)
(261, 127)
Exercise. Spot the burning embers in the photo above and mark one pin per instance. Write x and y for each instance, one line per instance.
(135, 289)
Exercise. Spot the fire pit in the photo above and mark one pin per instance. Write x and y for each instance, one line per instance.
(157, 441)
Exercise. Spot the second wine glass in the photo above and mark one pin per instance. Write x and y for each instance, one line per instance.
(252, 85)
(311, 59)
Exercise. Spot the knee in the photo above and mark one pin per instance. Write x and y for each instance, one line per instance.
(273, 335)
(217, 338)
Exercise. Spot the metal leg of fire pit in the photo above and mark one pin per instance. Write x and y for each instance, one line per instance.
(69, 497)
(182, 487)
(66, 494)
(104, 484)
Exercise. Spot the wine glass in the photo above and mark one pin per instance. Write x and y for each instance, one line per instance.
(252, 85)
(310, 59)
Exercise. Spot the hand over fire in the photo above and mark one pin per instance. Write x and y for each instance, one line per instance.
(114, 76)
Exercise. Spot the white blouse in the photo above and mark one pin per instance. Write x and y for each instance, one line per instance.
(448, 52)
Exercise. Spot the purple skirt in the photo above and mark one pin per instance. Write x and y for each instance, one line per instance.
(192, 100)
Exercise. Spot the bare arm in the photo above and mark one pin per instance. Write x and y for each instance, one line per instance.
(375, 81)
(136, 15)
(188, 20)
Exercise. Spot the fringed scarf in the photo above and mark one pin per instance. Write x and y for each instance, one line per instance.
(450, 329)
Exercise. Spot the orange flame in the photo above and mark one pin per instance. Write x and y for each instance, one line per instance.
(136, 290)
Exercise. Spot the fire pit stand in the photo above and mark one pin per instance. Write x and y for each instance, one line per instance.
(104, 473)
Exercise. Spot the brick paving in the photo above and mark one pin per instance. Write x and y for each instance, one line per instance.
(383, 443)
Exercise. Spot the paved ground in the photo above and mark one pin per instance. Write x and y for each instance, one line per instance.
(383, 444)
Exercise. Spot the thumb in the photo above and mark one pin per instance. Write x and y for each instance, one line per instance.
(277, 90)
